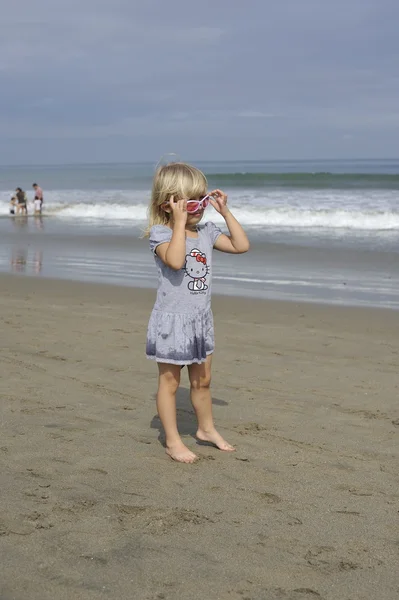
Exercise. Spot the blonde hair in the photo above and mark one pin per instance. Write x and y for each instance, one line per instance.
(180, 180)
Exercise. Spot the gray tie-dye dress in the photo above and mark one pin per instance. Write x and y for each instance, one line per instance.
(180, 330)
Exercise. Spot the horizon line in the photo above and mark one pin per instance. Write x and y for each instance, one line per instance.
(202, 161)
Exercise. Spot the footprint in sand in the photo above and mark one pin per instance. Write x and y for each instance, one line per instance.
(356, 492)
(270, 498)
(321, 558)
(156, 520)
(69, 509)
(24, 525)
(304, 594)
(202, 457)
(277, 594)
(250, 428)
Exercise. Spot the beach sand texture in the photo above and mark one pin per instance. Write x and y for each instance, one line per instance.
(91, 507)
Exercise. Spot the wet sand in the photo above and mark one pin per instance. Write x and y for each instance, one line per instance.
(91, 507)
(317, 270)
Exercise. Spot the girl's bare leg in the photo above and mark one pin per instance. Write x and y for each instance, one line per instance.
(201, 398)
(169, 380)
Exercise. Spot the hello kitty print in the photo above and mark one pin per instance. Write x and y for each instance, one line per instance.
(196, 268)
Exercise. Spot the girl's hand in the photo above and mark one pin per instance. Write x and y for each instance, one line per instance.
(179, 210)
(218, 199)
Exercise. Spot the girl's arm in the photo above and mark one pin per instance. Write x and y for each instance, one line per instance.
(173, 253)
(237, 242)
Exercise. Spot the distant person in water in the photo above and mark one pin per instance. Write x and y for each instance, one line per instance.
(38, 195)
(37, 207)
(22, 201)
(13, 204)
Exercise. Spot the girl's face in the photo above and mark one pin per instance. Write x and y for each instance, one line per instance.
(195, 209)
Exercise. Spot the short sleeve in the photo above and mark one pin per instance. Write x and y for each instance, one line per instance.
(213, 231)
(159, 234)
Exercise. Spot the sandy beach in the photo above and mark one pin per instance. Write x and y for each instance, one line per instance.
(91, 507)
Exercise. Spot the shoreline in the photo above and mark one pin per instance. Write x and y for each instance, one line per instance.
(275, 268)
(216, 296)
(143, 282)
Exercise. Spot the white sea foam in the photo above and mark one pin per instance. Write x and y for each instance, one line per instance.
(300, 210)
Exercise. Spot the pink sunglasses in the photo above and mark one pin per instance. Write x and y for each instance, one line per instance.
(195, 205)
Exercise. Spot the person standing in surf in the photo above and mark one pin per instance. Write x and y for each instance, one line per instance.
(22, 201)
(38, 195)
(180, 329)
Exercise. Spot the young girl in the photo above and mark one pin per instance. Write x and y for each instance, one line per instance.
(180, 330)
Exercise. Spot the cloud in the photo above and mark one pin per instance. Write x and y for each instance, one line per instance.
(302, 74)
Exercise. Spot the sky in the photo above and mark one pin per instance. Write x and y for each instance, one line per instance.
(128, 80)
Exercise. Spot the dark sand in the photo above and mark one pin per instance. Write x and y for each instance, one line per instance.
(91, 507)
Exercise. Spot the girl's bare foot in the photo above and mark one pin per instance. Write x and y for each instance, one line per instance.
(180, 453)
(214, 437)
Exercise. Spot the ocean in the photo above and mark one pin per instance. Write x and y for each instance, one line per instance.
(321, 231)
